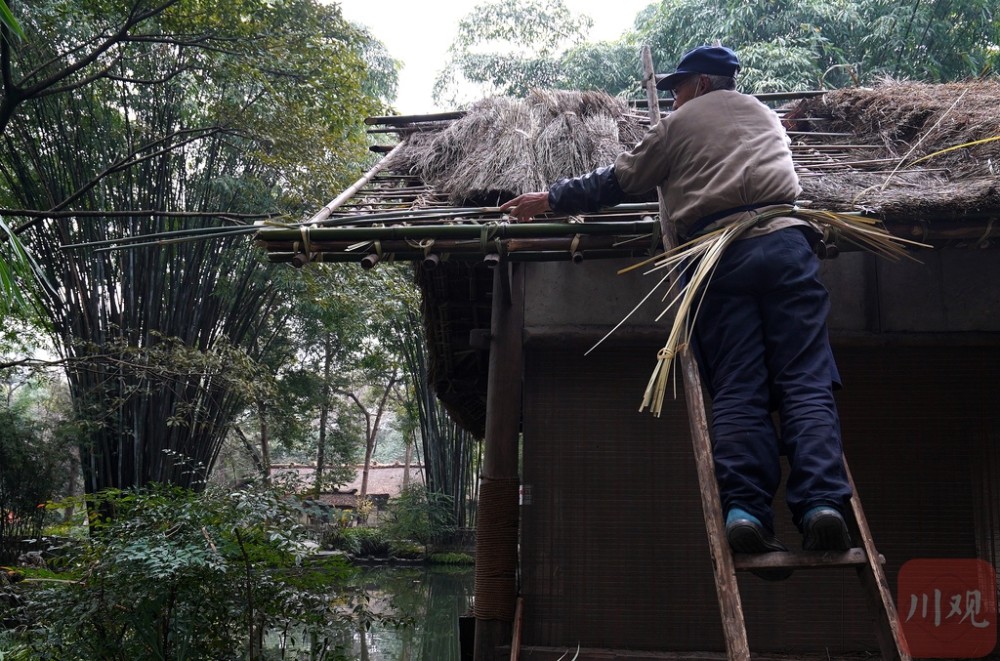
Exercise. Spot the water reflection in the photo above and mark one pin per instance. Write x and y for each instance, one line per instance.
(431, 598)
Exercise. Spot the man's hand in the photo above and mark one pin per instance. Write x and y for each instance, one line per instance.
(525, 207)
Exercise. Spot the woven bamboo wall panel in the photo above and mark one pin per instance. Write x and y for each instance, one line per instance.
(613, 545)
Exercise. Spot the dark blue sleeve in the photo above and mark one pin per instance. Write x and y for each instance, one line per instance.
(589, 192)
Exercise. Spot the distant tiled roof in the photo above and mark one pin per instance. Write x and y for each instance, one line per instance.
(383, 479)
(341, 500)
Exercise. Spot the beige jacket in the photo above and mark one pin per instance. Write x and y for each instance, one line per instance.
(718, 151)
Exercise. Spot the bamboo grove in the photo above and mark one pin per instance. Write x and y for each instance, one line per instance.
(160, 117)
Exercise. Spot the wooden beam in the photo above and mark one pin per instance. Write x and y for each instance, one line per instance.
(803, 560)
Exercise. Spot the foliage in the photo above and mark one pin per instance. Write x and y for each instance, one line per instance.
(181, 575)
(335, 365)
(406, 550)
(8, 23)
(786, 45)
(125, 119)
(420, 515)
(13, 651)
(362, 542)
(783, 44)
(509, 47)
(450, 452)
(452, 558)
(31, 472)
(20, 275)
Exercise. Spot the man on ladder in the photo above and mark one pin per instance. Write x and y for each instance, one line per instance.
(722, 157)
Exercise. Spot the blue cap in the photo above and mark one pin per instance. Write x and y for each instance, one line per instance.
(710, 60)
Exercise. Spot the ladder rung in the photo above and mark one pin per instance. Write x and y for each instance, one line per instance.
(802, 559)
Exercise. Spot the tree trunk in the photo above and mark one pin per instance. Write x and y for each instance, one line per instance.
(372, 429)
(265, 448)
(406, 465)
(255, 454)
(324, 412)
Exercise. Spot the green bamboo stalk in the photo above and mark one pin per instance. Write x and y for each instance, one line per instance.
(485, 232)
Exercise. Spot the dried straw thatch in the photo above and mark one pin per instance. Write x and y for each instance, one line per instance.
(506, 146)
(925, 131)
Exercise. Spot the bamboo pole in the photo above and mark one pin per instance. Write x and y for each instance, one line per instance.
(464, 257)
(734, 628)
(556, 243)
(325, 212)
(485, 232)
(496, 539)
(465, 213)
(400, 120)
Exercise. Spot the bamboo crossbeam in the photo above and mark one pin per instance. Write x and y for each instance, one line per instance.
(782, 112)
(768, 96)
(819, 134)
(484, 232)
(804, 146)
(417, 128)
(419, 256)
(405, 120)
(390, 192)
(477, 213)
(382, 205)
(400, 120)
(640, 242)
(897, 173)
(852, 164)
(385, 187)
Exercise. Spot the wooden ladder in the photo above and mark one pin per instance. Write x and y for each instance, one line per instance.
(865, 558)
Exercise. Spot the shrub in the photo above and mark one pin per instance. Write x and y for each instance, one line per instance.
(370, 542)
(30, 472)
(452, 559)
(420, 515)
(358, 541)
(179, 575)
(406, 550)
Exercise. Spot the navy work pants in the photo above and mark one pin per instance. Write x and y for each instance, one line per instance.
(763, 345)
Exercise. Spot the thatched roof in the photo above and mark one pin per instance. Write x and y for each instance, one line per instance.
(854, 150)
(896, 125)
(503, 147)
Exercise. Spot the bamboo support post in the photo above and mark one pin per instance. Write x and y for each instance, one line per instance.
(497, 524)
(730, 605)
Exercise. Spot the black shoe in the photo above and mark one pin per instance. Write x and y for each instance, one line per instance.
(746, 534)
(824, 529)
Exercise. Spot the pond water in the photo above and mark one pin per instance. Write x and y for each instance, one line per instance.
(431, 597)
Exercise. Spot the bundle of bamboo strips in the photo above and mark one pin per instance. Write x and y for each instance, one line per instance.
(697, 260)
